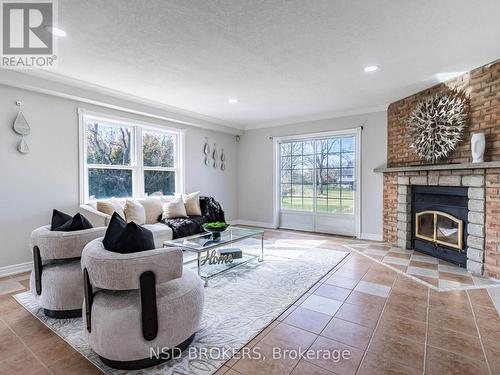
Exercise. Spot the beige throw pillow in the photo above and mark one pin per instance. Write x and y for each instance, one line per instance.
(110, 206)
(154, 209)
(192, 204)
(174, 209)
(134, 211)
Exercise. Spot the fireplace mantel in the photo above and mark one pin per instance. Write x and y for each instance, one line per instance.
(439, 167)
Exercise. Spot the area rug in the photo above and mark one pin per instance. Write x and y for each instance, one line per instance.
(239, 304)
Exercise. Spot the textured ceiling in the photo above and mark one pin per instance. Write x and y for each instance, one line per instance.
(282, 59)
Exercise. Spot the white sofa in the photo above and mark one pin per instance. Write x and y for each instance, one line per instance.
(153, 207)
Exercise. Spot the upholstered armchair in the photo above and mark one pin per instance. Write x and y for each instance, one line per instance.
(139, 304)
(56, 279)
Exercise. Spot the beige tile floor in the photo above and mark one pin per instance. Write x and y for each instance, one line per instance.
(436, 273)
(389, 324)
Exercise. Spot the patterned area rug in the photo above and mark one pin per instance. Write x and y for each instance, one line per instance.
(238, 304)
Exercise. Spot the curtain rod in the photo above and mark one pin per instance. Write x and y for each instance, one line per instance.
(317, 134)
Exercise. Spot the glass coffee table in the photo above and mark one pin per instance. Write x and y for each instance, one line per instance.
(215, 252)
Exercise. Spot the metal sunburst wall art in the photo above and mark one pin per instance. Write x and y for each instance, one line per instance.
(437, 124)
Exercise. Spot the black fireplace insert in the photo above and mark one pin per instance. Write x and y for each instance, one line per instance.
(439, 222)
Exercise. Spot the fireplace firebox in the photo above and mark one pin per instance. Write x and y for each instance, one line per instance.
(439, 222)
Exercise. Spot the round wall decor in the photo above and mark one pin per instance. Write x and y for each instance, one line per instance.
(436, 125)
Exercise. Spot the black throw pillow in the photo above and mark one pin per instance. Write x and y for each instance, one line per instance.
(65, 223)
(126, 238)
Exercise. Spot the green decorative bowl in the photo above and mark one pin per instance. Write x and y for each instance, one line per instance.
(215, 228)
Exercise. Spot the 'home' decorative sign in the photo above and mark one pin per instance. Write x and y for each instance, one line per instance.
(213, 258)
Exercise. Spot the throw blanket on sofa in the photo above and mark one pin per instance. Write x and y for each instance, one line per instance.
(211, 210)
(185, 226)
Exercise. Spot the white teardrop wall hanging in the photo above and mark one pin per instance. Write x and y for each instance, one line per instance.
(206, 147)
(222, 160)
(215, 155)
(22, 128)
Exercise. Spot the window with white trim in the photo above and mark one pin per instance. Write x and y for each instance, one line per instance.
(122, 158)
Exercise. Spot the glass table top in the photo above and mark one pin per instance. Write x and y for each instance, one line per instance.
(206, 241)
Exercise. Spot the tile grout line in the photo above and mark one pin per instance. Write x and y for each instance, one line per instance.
(479, 333)
(345, 260)
(331, 317)
(339, 266)
(27, 347)
(426, 329)
(343, 302)
(332, 271)
(423, 282)
(376, 326)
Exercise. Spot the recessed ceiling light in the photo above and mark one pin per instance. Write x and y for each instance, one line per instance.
(55, 31)
(233, 100)
(371, 68)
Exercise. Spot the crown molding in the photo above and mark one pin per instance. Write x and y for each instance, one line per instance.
(317, 117)
(64, 87)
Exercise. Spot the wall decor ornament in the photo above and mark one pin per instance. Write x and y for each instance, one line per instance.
(206, 151)
(437, 124)
(215, 156)
(22, 128)
(478, 145)
(222, 160)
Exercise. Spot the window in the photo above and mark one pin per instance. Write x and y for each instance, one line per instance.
(318, 175)
(121, 158)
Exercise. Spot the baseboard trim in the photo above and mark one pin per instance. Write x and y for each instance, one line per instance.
(253, 223)
(15, 269)
(371, 237)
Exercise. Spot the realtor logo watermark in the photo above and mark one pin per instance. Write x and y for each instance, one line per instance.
(27, 41)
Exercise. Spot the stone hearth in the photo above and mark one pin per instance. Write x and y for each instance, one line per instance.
(474, 180)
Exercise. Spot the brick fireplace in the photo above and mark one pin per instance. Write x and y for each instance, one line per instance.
(482, 181)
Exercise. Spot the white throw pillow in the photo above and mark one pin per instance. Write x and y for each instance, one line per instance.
(134, 211)
(192, 203)
(174, 209)
(110, 206)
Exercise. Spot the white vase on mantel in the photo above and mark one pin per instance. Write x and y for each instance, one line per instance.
(478, 145)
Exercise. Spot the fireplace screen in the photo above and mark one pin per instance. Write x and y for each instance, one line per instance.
(439, 227)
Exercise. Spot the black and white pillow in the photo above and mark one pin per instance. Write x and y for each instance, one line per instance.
(122, 237)
(65, 223)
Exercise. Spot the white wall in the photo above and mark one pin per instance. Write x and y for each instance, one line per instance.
(255, 179)
(48, 177)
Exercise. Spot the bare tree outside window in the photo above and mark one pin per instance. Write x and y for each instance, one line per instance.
(109, 145)
(158, 153)
(112, 165)
(327, 164)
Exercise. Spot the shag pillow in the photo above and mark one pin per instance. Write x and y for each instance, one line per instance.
(110, 206)
(174, 209)
(65, 223)
(125, 238)
(192, 204)
(134, 211)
